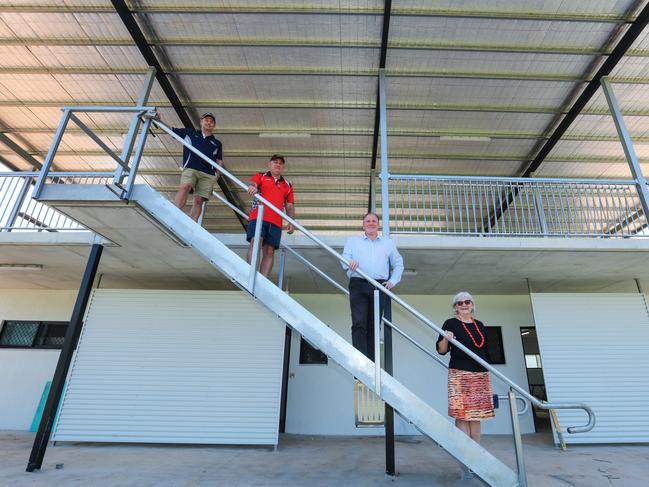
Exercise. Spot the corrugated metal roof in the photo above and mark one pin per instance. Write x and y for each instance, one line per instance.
(473, 87)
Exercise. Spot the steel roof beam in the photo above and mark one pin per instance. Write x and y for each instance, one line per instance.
(324, 105)
(145, 49)
(177, 8)
(320, 43)
(263, 71)
(357, 132)
(23, 153)
(589, 91)
(515, 158)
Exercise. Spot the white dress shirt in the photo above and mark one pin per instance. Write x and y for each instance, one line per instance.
(375, 258)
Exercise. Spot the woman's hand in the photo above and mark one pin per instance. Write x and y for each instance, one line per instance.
(450, 335)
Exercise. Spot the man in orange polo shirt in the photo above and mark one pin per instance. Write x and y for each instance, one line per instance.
(272, 186)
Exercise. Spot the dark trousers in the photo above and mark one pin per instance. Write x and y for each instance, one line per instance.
(361, 302)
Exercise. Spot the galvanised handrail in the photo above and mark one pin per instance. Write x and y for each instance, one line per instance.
(521, 207)
(390, 294)
(17, 213)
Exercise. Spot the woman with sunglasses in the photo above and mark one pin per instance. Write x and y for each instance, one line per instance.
(470, 398)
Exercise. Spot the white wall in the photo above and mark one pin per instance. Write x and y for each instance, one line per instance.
(321, 398)
(23, 373)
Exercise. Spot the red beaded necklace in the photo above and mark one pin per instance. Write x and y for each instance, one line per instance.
(477, 345)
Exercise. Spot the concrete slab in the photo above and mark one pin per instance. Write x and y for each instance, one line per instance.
(144, 254)
(311, 461)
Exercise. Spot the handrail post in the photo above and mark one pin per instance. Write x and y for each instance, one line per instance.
(142, 100)
(255, 249)
(518, 443)
(282, 264)
(202, 215)
(49, 159)
(377, 343)
(136, 159)
(540, 211)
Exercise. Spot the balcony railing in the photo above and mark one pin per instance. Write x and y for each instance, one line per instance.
(19, 212)
(515, 207)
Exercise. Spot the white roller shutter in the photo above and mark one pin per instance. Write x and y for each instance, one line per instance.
(595, 349)
(175, 367)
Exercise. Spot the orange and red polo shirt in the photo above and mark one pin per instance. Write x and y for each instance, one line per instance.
(277, 191)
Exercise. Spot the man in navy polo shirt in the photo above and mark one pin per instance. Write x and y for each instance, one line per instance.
(272, 186)
(198, 175)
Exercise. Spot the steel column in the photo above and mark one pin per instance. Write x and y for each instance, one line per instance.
(372, 205)
(65, 358)
(385, 204)
(388, 416)
(627, 145)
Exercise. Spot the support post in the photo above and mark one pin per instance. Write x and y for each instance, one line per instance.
(49, 159)
(65, 358)
(627, 145)
(136, 163)
(518, 443)
(202, 215)
(11, 221)
(282, 264)
(388, 416)
(385, 204)
(255, 249)
(377, 342)
(372, 207)
(540, 213)
(142, 100)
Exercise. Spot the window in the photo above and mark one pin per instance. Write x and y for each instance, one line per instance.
(310, 354)
(32, 334)
(495, 344)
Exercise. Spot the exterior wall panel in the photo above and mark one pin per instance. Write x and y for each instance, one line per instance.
(595, 349)
(175, 367)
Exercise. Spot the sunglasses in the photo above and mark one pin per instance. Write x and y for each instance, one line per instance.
(463, 303)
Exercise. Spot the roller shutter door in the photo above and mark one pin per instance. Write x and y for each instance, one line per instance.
(174, 367)
(595, 349)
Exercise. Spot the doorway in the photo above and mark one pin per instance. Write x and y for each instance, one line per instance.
(535, 380)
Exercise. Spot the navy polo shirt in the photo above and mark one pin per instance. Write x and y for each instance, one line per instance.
(210, 146)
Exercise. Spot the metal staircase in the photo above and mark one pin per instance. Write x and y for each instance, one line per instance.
(426, 419)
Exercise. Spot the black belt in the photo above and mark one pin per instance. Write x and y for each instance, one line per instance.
(381, 281)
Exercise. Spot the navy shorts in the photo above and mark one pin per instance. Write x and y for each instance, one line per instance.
(270, 234)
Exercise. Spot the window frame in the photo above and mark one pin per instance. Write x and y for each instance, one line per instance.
(41, 335)
(306, 350)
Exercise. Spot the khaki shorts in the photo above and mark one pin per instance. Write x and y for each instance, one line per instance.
(201, 182)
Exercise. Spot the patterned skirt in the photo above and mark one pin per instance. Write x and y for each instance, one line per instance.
(470, 397)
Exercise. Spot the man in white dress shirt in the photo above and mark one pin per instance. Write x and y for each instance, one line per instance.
(379, 258)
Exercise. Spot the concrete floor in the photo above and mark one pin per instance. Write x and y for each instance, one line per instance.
(310, 461)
